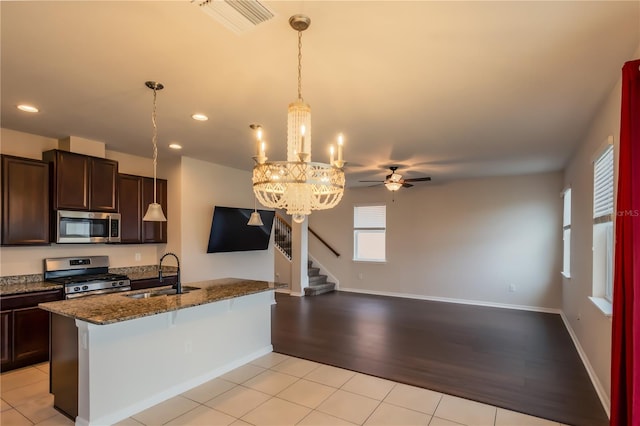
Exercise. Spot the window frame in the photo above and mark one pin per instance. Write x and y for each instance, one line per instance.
(566, 232)
(357, 230)
(604, 177)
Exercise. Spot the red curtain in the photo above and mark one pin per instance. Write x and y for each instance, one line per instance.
(625, 351)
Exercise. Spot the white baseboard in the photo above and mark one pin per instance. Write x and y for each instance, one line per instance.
(452, 300)
(600, 390)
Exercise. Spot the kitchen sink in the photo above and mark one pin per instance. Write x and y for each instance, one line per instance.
(164, 292)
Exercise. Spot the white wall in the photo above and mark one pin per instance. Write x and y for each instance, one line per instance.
(203, 186)
(466, 240)
(590, 326)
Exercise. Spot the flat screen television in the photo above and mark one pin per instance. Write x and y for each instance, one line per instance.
(230, 232)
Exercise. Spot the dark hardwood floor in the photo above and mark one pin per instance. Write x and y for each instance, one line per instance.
(518, 360)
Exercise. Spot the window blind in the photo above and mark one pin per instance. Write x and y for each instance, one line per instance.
(603, 187)
(370, 216)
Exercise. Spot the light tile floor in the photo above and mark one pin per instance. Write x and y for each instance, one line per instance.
(273, 390)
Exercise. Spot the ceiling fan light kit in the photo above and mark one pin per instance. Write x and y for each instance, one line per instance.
(297, 185)
(394, 181)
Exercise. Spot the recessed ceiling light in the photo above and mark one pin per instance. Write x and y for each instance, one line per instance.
(27, 108)
(175, 146)
(200, 117)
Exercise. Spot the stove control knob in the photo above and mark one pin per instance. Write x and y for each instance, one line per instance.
(113, 284)
(85, 287)
(76, 289)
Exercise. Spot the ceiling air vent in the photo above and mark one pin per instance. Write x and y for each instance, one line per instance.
(237, 15)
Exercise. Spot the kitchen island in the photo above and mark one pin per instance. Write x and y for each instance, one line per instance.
(113, 356)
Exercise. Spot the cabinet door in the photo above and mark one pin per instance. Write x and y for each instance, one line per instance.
(5, 338)
(71, 181)
(130, 203)
(31, 335)
(25, 201)
(154, 232)
(104, 185)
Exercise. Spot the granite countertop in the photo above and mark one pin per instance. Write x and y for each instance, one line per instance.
(18, 284)
(27, 287)
(145, 272)
(117, 307)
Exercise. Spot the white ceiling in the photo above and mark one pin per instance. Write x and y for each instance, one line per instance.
(446, 89)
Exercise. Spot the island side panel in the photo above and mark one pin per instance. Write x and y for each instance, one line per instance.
(129, 366)
(64, 364)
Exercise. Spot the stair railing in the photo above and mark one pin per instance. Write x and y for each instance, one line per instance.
(282, 235)
(286, 229)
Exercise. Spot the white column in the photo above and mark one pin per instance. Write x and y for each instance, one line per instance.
(299, 257)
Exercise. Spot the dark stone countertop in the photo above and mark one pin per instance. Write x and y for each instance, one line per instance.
(117, 307)
(31, 283)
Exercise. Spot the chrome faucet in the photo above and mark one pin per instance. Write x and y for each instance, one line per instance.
(178, 285)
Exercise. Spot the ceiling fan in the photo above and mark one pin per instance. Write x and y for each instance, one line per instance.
(394, 181)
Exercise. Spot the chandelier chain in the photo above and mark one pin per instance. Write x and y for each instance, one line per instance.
(300, 65)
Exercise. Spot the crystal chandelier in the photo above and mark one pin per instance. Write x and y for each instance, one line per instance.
(298, 185)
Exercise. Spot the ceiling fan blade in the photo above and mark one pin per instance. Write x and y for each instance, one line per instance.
(379, 181)
(406, 185)
(421, 179)
(377, 184)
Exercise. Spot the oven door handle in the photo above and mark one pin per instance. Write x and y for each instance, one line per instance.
(97, 292)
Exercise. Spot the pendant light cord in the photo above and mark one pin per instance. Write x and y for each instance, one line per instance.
(155, 144)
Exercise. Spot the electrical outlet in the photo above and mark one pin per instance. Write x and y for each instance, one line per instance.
(188, 347)
(360, 276)
(138, 257)
(512, 288)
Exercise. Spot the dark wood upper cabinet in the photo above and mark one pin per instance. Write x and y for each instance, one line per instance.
(81, 182)
(104, 185)
(25, 201)
(130, 193)
(136, 193)
(154, 232)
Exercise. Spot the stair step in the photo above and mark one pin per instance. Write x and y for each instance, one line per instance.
(313, 272)
(319, 289)
(317, 279)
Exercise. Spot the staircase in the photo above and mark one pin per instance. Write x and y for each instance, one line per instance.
(282, 236)
(318, 284)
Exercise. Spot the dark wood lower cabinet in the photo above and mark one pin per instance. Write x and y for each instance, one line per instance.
(64, 365)
(31, 335)
(5, 339)
(152, 282)
(25, 329)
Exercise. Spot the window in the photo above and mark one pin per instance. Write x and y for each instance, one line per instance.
(369, 233)
(603, 225)
(566, 234)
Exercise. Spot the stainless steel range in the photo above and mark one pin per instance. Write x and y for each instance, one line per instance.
(84, 276)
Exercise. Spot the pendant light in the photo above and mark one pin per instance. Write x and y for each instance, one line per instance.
(154, 212)
(255, 219)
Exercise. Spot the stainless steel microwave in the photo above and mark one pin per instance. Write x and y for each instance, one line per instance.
(87, 227)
